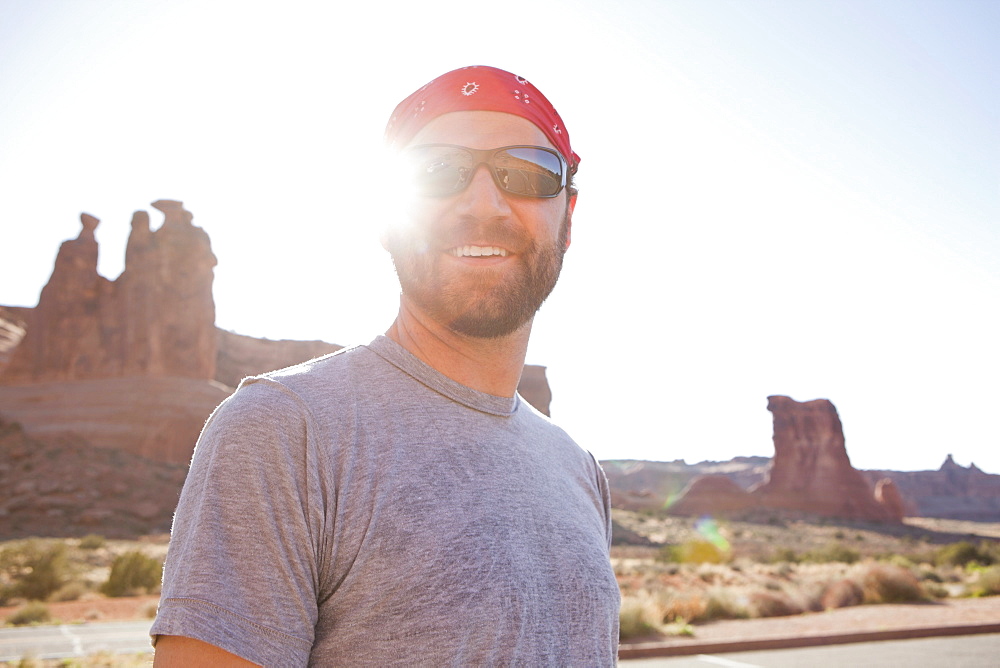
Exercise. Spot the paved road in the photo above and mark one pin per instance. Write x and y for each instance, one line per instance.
(978, 651)
(72, 640)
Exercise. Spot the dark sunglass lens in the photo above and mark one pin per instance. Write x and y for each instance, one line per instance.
(439, 170)
(529, 171)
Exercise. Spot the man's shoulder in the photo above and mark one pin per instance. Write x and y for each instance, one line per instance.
(328, 363)
(343, 367)
(296, 392)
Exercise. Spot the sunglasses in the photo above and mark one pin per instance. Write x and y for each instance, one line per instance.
(439, 170)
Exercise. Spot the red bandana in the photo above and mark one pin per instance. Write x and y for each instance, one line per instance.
(478, 88)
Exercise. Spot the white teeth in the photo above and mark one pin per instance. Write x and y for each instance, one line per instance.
(478, 251)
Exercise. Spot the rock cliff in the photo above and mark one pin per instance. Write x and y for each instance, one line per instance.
(714, 495)
(156, 319)
(952, 492)
(811, 471)
(66, 487)
(810, 474)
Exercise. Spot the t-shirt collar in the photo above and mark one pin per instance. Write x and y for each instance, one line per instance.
(408, 363)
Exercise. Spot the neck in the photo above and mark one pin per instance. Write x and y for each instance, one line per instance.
(492, 366)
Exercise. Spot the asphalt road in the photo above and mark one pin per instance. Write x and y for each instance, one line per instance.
(976, 651)
(74, 640)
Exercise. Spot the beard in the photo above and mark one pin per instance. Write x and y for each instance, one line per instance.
(480, 305)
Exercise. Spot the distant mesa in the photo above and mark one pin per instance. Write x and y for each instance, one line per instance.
(811, 471)
(809, 475)
(713, 494)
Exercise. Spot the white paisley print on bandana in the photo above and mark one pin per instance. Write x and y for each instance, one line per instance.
(469, 88)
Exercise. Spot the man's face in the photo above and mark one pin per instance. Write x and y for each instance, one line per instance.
(481, 261)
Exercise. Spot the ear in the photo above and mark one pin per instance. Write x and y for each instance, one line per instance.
(570, 205)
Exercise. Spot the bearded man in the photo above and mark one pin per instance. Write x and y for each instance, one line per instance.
(398, 503)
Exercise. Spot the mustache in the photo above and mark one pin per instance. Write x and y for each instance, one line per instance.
(498, 231)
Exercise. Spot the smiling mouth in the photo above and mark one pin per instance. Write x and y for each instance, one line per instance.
(478, 251)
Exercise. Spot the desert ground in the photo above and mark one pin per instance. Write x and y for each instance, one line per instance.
(679, 573)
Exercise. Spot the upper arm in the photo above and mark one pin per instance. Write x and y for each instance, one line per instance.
(180, 651)
(244, 559)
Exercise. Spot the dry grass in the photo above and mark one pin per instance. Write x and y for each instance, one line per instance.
(787, 568)
(99, 660)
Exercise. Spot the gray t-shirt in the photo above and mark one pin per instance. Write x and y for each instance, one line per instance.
(364, 509)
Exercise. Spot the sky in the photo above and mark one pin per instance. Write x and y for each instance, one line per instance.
(789, 197)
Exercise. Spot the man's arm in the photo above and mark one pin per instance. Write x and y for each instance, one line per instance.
(179, 651)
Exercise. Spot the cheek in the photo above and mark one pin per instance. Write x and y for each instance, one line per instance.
(544, 217)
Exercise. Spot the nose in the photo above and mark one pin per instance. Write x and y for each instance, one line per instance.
(482, 199)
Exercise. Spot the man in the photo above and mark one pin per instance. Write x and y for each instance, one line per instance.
(398, 503)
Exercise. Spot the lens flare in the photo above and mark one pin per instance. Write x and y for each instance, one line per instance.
(709, 530)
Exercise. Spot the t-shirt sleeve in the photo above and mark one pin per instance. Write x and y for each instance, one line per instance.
(244, 562)
(605, 489)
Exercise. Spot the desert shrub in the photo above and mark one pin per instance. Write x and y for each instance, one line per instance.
(772, 604)
(962, 554)
(722, 604)
(30, 613)
(898, 560)
(132, 573)
(678, 628)
(784, 555)
(694, 552)
(884, 583)
(842, 594)
(92, 541)
(809, 596)
(833, 552)
(71, 591)
(689, 607)
(639, 616)
(935, 590)
(988, 582)
(34, 570)
(784, 569)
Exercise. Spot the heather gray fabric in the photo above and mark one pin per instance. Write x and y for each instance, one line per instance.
(363, 509)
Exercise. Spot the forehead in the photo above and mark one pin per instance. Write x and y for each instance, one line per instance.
(481, 129)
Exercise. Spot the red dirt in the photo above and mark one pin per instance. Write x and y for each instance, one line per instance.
(97, 609)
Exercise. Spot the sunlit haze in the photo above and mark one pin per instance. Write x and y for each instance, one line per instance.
(797, 197)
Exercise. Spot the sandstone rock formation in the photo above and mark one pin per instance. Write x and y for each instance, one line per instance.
(240, 356)
(887, 495)
(715, 495)
(156, 319)
(534, 387)
(12, 330)
(158, 418)
(643, 485)
(952, 492)
(811, 471)
(810, 474)
(66, 487)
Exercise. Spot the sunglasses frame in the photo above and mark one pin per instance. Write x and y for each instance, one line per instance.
(484, 156)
